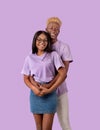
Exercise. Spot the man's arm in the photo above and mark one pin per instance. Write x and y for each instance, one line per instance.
(61, 77)
(66, 63)
(54, 84)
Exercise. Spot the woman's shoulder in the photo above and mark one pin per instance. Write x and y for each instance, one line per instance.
(30, 56)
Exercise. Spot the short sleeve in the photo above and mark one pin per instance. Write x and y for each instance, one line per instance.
(66, 54)
(26, 68)
(57, 61)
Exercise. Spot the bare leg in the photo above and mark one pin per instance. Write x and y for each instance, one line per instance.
(47, 121)
(38, 121)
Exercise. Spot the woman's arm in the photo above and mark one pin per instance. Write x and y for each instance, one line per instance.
(31, 86)
(32, 80)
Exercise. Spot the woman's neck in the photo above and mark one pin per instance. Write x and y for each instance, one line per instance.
(39, 53)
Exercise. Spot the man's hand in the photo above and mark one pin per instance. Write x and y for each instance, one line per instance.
(46, 85)
(43, 91)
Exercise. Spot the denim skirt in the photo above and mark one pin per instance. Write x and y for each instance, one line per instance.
(43, 104)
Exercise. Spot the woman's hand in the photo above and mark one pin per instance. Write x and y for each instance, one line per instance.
(36, 91)
(35, 88)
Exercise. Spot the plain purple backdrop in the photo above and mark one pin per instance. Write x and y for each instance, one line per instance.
(19, 20)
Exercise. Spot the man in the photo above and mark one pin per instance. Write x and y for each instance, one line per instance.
(53, 28)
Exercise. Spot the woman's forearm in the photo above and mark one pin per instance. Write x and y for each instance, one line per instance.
(27, 82)
(31, 86)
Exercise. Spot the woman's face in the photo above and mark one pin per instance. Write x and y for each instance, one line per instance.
(41, 42)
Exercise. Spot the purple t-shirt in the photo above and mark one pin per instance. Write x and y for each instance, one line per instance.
(42, 67)
(64, 52)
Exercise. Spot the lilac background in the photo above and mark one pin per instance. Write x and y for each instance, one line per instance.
(81, 30)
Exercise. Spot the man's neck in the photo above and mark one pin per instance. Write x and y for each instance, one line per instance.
(54, 41)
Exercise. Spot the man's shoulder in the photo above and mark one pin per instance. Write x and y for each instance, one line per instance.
(53, 53)
(62, 44)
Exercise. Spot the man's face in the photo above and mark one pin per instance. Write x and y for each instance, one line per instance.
(53, 29)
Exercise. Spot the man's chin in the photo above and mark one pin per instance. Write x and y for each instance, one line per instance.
(53, 37)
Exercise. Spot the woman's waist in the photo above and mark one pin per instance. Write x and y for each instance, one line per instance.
(43, 81)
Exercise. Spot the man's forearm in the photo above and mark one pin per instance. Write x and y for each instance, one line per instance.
(61, 76)
(53, 81)
(66, 63)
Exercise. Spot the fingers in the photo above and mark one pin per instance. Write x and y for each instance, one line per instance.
(38, 85)
(43, 88)
(43, 91)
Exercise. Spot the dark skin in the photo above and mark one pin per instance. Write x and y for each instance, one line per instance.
(48, 88)
(53, 29)
(38, 89)
(41, 119)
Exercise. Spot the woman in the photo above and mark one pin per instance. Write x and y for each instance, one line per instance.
(41, 65)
